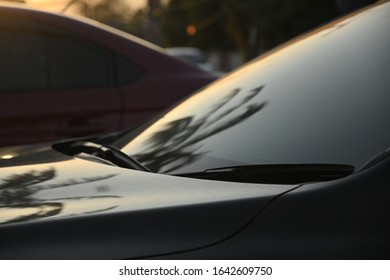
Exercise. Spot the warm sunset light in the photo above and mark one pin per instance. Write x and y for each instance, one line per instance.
(191, 30)
(58, 5)
(7, 156)
(47, 4)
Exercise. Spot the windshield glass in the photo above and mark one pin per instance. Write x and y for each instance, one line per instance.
(322, 99)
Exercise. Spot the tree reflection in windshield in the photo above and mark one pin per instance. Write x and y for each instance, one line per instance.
(18, 204)
(180, 141)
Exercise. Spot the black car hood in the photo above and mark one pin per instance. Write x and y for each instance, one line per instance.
(63, 202)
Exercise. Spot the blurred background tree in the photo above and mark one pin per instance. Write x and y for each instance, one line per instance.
(116, 13)
(249, 27)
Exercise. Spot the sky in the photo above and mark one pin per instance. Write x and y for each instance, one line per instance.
(57, 5)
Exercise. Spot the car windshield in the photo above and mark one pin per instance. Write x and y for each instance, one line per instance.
(322, 99)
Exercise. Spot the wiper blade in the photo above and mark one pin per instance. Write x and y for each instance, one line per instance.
(275, 173)
(105, 152)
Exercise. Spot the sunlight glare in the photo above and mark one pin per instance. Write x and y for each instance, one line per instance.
(58, 5)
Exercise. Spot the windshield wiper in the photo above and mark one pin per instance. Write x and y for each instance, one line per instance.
(105, 152)
(275, 173)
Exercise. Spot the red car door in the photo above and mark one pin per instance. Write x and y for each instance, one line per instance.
(29, 117)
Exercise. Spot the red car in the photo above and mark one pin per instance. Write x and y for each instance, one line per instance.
(64, 77)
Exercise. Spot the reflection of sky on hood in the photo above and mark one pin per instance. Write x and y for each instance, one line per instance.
(44, 190)
(80, 187)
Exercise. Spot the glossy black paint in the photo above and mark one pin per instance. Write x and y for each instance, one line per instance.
(343, 219)
(60, 205)
(80, 209)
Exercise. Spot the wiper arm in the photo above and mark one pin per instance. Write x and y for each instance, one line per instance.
(105, 152)
(275, 173)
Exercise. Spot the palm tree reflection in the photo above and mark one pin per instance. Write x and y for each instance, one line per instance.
(180, 141)
(18, 188)
(18, 204)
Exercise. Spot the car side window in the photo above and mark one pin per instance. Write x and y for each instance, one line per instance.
(126, 71)
(37, 56)
(73, 64)
(23, 61)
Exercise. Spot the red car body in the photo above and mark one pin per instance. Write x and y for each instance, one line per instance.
(64, 77)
